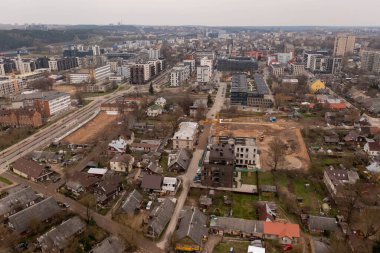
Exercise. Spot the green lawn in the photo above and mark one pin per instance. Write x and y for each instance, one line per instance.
(239, 247)
(265, 178)
(5, 181)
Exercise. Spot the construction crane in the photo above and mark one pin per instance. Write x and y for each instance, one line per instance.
(213, 122)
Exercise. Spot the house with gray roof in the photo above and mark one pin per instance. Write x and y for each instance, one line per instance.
(17, 201)
(192, 229)
(180, 161)
(160, 217)
(320, 224)
(111, 244)
(236, 227)
(59, 237)
(36, 213)
(133, 202)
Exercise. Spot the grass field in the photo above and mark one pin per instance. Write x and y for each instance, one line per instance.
(265, 178)
(239, 247)
(5, 181)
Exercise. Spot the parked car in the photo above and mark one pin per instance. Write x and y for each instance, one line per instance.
(149, 205)
(287, 247)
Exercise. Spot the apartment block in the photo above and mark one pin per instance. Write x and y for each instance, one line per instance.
(344, 44)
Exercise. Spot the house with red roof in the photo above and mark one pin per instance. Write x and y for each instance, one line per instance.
(286, 233)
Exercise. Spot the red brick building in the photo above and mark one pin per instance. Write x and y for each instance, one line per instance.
(20, 118)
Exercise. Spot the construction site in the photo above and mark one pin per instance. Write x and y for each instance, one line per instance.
(296, 155)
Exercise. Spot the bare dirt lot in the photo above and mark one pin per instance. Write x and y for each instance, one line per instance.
(71, 89)
(296, 157)
(89, 132)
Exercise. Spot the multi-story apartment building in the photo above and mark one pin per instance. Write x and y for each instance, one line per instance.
(63, 64)
(190, 63)
(370, 60)
(11, 86)
(344, 44)
(284, 58)
(179, 74)
(203, 74)
(91, 75)
(325, 65)
(297, 69)
(185, 136)
(154, 54)
(277, 69)
(52, 103)
(21, 118)
(2, 69)
(245, 151)
(218, 166)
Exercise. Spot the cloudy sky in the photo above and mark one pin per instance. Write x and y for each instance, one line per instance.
(193, 12)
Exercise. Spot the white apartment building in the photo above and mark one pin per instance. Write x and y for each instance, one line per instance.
(95, 50)
(297, 69)
(2, 70)
(284, 57)
(124, 70)
(246, 151)
(179, 74)
(89, 75)
(79, 78)
(11, 86)
(154, 54)
(191, 63)
(102, 73)
(53, 65)
(185, 136)
(58, 102)
(206, 62)
(203, 74)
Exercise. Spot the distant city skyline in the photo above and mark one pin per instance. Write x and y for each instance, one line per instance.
(196, 12)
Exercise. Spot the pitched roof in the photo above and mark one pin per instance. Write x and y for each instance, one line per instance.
(18, 199)
(322, 223)
(132, 202)
(39, 212)
(58, 237)
(84, 179)
(110, 244)
(282, 229)
(243, 225)
(121, 158)
(193, 225)
(151, 182)
(110, 183)
(161, 215)
(182, 158)
(29, 167)
(374, 146)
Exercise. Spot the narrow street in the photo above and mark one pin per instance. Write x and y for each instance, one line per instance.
(192, 170)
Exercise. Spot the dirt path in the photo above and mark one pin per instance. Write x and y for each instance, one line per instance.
(91, 130)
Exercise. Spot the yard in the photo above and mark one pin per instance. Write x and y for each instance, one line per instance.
(265, 178)
(239, 247)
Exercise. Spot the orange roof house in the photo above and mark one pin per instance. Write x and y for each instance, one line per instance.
(287, 233)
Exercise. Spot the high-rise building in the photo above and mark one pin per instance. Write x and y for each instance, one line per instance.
(203, 74)
(370, 60)
(344, 44)
(154, 54)
(95, 50)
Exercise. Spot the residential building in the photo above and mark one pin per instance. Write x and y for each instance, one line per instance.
(370, 60)
(372, 148)
(124, 70)
(21, 199)
(52, 103)
(277, 70)
(122, 163)
(335, 178)
(151, 182)
(284, 58)
(133, 202)
(247, 92)
(30, 170)
(191, 64)
(154, 110)
(245, 151)
(11, 86)
(154, 54)
(344, 44)
(203, 74)
(160, 217)
(91, 75)
(21, 118)
(207, 62)
(297, 69)
(111, 244)
(307, 55)
(160, 101)
(192, 230)
(321, 224)
(108, 188)
(218, 166)
(185, 136)
(241, 64)
(285, 233)
(325, 64)
(199, 108)
(169, 184)
(179, 162)
(58, 238)
(140, 73)
(63, 64)
(118, 146)
(228, 226)
(179, 75)
(39, 212)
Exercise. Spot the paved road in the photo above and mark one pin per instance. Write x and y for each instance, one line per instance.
(188, 177)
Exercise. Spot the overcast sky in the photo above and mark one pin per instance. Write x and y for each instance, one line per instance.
(193, 12)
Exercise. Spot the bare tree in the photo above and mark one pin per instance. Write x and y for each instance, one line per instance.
(276, 152)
